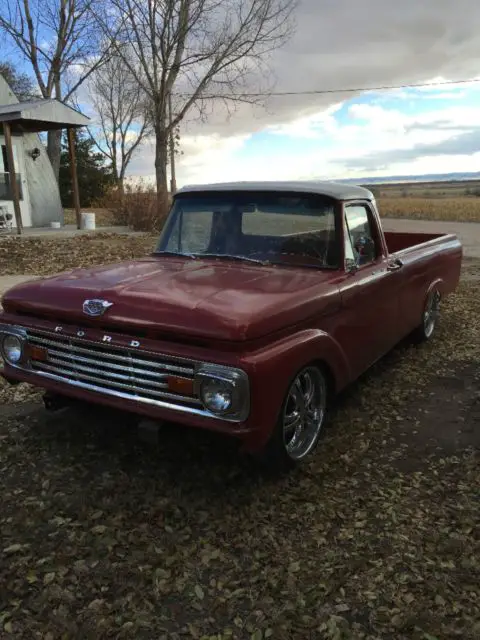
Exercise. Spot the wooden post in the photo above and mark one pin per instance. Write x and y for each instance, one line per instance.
(12, 176)
(73, 167)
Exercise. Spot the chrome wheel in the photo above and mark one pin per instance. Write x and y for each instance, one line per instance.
(304, 412)
(431, 313)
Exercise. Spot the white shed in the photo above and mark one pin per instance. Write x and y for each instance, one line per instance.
(38, 194)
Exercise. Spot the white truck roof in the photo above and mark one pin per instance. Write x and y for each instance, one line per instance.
(337, 190)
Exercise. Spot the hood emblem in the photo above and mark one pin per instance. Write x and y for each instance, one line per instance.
(96, 307)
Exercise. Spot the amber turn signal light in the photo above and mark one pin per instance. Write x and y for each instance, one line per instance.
(33, 352)
(183, 386)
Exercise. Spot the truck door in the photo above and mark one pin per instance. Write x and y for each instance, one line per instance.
(370, 289)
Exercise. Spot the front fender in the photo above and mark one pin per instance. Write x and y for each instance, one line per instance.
(272, 368)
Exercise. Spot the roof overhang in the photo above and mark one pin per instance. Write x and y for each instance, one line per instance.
(41, 115)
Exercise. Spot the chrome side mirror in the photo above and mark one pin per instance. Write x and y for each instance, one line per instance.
(351, 266)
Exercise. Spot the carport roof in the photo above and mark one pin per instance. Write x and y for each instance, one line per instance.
(41, 115)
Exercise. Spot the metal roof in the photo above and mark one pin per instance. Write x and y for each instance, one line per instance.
(41, 115)
(337, 190)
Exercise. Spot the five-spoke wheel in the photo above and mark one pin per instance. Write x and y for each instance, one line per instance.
(304, 412)
(301, 418)
(431, 313)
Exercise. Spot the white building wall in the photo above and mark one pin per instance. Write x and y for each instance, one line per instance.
(45, 204)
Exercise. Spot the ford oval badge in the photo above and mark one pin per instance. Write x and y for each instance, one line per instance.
(96, 307)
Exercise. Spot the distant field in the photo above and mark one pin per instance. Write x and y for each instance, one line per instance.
(455, 189)
(461, 209)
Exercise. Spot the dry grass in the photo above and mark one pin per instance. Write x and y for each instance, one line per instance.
(135, 208)
(464, 209)
(43, 256)
(103, 217)
(437, 189)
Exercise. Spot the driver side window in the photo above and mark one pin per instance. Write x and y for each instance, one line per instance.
(359, 238)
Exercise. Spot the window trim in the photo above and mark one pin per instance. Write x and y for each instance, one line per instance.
(374, 226)
(8, 195)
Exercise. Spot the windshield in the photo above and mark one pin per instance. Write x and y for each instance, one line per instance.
(269, 227)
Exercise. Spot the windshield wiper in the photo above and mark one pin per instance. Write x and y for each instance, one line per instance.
(229, 257)
(175, 253)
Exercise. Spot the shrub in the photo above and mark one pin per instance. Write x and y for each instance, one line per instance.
(136, 207)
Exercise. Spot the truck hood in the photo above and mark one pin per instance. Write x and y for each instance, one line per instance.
(196, 298)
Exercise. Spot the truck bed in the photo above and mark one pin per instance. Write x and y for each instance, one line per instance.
(402, 241)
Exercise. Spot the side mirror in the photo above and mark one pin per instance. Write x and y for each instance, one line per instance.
(351, 266)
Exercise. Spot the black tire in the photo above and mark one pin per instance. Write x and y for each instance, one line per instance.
(282, 453)
(430, 316)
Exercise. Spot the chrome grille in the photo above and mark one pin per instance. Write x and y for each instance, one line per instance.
(112, 370)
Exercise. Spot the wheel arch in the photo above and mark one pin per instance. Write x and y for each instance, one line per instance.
(436, 283)
(330, 378)
(279, 364)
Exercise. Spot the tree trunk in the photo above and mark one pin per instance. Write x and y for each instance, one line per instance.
(54, 140)
(161, 159)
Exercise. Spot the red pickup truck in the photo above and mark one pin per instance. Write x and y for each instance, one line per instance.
(260, 302)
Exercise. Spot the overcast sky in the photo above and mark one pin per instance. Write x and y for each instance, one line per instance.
(348, 43)
(351, 43)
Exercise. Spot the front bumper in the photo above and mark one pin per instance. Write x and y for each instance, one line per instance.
(115, 370)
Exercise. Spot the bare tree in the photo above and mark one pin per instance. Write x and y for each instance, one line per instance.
(20, 83)
(62, 44)
(123, 114)
(184, 48)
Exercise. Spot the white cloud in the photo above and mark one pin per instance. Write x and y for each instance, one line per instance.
(205, 158)
(373, 139)
(384, 120)
(452, 95)
(309, 126)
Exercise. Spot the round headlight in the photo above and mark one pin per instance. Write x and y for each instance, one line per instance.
(216, 396)
(12, 349)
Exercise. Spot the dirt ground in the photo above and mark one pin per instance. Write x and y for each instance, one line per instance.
(105, 536)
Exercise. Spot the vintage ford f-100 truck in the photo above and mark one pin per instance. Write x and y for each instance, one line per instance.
(260, 302)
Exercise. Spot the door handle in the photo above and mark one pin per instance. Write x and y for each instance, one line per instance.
(395, 265)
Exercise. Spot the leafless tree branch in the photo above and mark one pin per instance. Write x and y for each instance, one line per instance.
(60, 40)
(193, 51)
(122, 111)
